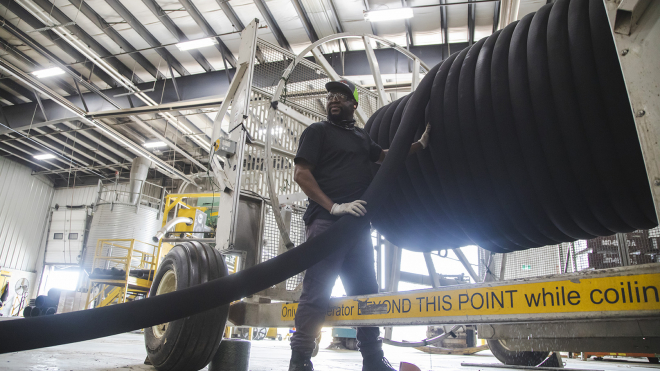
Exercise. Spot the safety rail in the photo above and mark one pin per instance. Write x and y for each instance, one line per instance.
(150, 194)
(122, 270)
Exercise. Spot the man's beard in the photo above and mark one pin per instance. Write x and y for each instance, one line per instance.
(339, 116)
(336, 116)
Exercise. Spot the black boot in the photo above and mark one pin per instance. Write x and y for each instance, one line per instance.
(300, 362)
(376, 362)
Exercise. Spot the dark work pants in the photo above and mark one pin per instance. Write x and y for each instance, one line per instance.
(355, 266)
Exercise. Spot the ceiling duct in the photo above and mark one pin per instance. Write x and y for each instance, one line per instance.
(139, 172)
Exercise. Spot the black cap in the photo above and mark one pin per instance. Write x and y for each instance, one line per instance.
(344, 86)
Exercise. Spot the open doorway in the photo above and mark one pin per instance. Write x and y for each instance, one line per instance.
(60, 277)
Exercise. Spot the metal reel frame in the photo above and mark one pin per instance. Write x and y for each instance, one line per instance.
(418, 65)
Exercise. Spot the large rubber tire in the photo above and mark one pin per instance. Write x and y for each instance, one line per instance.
(516, 358)
(187, 344)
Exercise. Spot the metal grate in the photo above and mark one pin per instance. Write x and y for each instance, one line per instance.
(271, 239)
(305, 87)
(522, 264)
(643, 247)
(285, 136)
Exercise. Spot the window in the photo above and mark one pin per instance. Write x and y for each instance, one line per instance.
(73, 236)
(58, 236)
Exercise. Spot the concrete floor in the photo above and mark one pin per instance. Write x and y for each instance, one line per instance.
(126, 352)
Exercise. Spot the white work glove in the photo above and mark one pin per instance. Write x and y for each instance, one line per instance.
(424, 140)
(354, 208)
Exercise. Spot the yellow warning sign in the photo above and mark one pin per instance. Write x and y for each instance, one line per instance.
(619, 293)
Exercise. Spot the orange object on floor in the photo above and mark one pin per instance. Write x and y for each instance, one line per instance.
(405, 366)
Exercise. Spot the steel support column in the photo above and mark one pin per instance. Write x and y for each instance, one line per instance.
(445, 29)
(472, 13)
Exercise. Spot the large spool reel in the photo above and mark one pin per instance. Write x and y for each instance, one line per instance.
(534, 141)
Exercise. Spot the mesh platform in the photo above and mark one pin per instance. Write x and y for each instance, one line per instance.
(305, 87)
(271, 239)
(642, 247)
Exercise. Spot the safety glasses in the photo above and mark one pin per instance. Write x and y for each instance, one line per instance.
(337, 96)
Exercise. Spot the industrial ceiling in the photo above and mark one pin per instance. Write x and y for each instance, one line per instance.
(136, 42)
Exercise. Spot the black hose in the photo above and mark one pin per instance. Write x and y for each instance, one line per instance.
(533, 142)
(489, 176)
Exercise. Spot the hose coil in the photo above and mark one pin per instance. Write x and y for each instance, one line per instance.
(533, 142)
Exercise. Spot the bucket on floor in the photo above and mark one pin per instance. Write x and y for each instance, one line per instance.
(232, 355)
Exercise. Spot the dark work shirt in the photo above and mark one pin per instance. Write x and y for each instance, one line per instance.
(342, 163)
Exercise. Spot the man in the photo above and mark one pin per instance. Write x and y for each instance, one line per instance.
(332, 167)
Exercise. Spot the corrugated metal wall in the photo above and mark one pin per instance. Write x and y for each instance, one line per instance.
(75, 196)
(24, 207)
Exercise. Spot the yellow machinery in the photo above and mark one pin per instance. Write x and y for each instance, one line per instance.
(131, 254)
(126, 255)
(183, 209)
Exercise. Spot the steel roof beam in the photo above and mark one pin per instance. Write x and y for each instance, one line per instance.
(207, 90)
(231, 14)
(109, 131)
(445, 28)
(94, 134)
(306, 22)
(58, 15)
(63, 134)
(79, 154)
(472, 15)
(35, 23)
(77, 137)
(24, 160)
(116, 37)
(61, 147)
(146, 35)
(409, 34)
(28, 151)
(20, 89)
(338, 26)
(16, 32)
(19, 55)
(13, 99)
(32, 147)
(208, 30)
(373, 28)
(496, 16)
(176, 32)
(272, 24)
(89, 85)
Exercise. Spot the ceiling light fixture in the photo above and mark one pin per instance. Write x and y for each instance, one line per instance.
(388, 14)
(45, 156)
(48, 72)
(196, 44)
(153, 144)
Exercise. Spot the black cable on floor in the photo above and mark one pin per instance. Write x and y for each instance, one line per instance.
(512, 164)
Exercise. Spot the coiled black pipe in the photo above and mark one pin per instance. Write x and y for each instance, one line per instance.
(533, 142)
(448, 196)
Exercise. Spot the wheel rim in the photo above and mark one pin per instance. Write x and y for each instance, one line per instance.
(167, 284)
